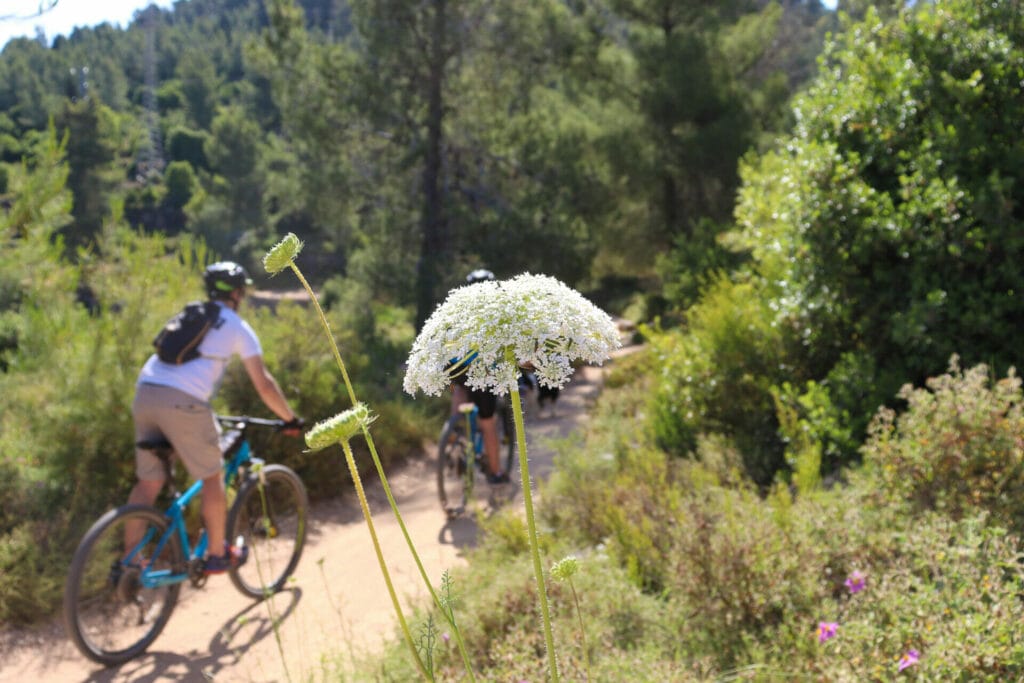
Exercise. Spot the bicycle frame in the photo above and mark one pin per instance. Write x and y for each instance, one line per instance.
(475, 438)
(151, 578)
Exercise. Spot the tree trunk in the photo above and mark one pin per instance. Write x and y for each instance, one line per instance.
(435, 247)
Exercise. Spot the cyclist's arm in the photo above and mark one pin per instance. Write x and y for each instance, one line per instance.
(267, 387)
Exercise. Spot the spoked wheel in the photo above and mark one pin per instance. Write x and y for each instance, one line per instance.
(110, 615)
(270, 515)
(453, 480)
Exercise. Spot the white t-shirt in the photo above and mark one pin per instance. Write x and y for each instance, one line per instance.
(230, 336)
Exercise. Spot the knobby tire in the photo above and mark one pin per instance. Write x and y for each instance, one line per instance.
(110, 617)
(275, 539)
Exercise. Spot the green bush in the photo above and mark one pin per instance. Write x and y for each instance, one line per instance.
(949, 590)
(956, 448)
(717, 377)
(890, 219)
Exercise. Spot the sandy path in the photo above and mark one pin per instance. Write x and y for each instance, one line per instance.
(339, 603)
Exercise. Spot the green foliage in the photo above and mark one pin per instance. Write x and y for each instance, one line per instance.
(90, 151)
(181, 183)
(749, 577)
(888, 222)
(187, 145)
(956, 448)
(626, 630)
(717, 376)
(815, 429)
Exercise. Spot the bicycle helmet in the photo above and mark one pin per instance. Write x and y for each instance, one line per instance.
(479, 275)
(224, 277)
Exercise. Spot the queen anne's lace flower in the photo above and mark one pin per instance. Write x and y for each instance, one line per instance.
(536, 318)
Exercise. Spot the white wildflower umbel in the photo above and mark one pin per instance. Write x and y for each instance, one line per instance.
(535, 319)
(487, 330)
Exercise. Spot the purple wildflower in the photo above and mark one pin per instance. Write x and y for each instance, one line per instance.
(827, 630)
(909, 659)
(856, 582)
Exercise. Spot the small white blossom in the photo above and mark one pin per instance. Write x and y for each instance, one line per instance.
(540, 320)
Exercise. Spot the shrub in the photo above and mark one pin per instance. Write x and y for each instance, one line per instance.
(891, 218)
(717, 377)
(950, 591)
(957, 447)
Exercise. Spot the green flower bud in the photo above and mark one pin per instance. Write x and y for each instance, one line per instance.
(282, 254)
(339, 428)
(565, 568)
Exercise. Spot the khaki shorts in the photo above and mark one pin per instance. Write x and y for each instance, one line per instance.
(183, 420)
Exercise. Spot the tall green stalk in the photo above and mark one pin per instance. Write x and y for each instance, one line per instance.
(268, 597)
(531, 525)
(354, 471)
(284, 254)
(563, 570)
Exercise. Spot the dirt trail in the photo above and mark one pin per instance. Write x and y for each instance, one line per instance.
(338, 604)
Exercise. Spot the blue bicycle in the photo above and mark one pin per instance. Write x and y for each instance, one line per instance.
(118, 599)
(460, 455)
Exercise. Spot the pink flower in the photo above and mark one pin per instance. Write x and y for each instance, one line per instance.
(856, 582)
(827, 630)
(909, 659)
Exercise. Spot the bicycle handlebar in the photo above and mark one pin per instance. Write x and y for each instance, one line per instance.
(246, 420)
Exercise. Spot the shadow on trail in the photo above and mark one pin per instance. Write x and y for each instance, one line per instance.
(227, 647)
(460, 532)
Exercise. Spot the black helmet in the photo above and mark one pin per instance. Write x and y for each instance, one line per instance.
(224, 277)
(479, 275)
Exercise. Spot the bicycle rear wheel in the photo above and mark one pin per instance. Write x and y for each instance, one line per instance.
(452, 477)
(110, 616)
(270, 515)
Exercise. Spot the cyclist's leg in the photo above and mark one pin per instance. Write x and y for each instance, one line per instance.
(189, 425)
(215, 511)
(149, 470)
(487, 404)
(460, 395)
(489, 429)
(144, 492)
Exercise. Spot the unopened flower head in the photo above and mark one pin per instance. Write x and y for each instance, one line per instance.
(856, 582)
(282, 254)
(827, 630)
(535, 318)
(909, 659)
(565, 568)
(339, 428)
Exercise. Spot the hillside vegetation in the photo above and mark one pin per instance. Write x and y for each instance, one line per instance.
(814, 468)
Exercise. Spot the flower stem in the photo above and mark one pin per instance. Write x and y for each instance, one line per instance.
(269, 598)
(456, 632)
(350, 458)
(583, 633)
(327, 328)
(524, 472)
(383, 477)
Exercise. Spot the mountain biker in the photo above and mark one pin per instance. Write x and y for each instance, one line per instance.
(173, 402)
(486, 404)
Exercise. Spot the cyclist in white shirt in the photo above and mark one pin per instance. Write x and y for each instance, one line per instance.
(173, 402)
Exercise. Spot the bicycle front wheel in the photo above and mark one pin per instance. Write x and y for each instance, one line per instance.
(270, 515)
(453, 480)
(110, 615)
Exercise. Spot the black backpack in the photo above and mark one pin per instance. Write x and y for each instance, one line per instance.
(178, 341)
